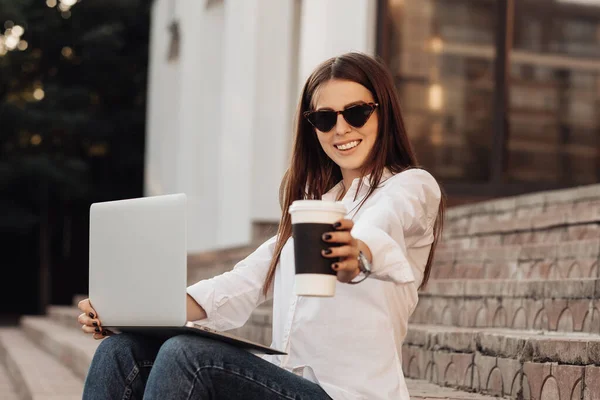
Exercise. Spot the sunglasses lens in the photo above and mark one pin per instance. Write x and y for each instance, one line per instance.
(323, 120)
(357, 116)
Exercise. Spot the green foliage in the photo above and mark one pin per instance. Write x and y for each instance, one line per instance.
(85, 139)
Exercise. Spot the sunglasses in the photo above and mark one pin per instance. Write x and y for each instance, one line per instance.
(325, 120)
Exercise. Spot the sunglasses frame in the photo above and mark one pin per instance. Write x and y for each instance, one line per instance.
(373, 106)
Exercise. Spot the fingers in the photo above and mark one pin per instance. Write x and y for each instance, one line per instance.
(341, 233)
(350, 252)
(347, 267)
(105, 333)
(91, 329)
(343, 225)
(346, 270)
(91, 325)
(338, 237)
(89, 320)
(86, 307)
(350, 265)
(85, 319)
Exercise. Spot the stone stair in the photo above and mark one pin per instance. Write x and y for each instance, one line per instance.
(7, 388)
(505, 362)
(569, 305)
(34, 373)
(47, 358)
(67, 344)
(512, 310)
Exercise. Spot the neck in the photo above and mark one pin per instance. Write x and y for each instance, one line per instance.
(347, 178)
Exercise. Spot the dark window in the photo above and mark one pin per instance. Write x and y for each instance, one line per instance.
(535, 120)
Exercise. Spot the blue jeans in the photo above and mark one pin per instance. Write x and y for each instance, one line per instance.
(128, 366)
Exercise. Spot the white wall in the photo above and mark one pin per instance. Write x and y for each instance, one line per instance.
(333, 27)
(237, 121)
(220, 120)
(200, 123)
(162, 134)
(256, 120)
(184, 113)
(276, 75)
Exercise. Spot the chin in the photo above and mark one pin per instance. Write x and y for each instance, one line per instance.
(349, 166)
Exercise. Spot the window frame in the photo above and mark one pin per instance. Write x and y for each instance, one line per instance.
(498, 184)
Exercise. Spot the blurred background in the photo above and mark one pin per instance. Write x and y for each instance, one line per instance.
(111, 99)
(73, 83)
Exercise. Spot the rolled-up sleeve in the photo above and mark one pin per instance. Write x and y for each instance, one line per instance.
(230, 298)
(407, 209)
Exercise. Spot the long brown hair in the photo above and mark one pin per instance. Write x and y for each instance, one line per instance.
(312, 173)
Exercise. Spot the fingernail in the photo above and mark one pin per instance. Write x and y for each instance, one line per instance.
(337, 225)
(327, 251)
(335, 266)
(91, 315)
(326, 236)
(97, 330)
(95, 323)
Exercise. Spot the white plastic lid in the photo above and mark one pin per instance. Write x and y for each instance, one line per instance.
(318, 205)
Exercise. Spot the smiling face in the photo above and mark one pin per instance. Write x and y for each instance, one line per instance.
(346, 145)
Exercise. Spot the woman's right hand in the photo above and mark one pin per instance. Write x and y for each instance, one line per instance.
(90, 323)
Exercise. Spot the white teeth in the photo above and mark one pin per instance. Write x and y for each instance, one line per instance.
(347, 146)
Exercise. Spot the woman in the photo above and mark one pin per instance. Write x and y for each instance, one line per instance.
(350, 146)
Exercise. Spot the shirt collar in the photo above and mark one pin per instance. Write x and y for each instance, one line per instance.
(334, 192)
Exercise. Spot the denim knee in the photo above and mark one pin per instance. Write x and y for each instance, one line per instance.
(177, 346)
(117, 344)
(183, 348)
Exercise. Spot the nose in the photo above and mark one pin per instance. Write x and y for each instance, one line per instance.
(341, 126)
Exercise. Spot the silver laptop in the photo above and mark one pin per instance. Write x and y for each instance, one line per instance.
(138, 268)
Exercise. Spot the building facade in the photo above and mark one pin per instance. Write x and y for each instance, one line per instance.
(499, 96)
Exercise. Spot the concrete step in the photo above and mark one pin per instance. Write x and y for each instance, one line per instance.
(7, 390)
(574, 205)
(70, 345)
(531, 203)
(35, 374)
(504, 362)
(64, 315)
(258, 330)
(555, 306)
(559, 258)
(209, 264)
(582, 214)
(493, 361)
(424, 390)
(568, 305)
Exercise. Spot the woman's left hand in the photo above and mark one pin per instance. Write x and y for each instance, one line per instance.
(347, 267)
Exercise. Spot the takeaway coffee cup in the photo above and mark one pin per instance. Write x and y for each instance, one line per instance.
(310, 220)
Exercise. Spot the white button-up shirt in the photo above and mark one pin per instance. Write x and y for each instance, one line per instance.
(351, 343)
